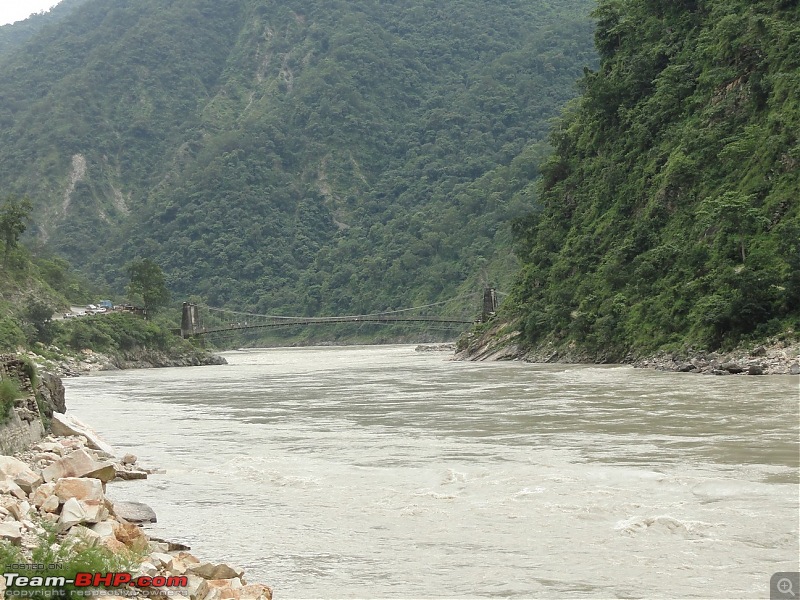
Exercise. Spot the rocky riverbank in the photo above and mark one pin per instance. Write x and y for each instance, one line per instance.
(778, 358)
(54, 502)
(52, 360)
(501, 342)
(59, 485)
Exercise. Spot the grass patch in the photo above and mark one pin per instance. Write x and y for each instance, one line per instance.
(9, 393)
(64, 558)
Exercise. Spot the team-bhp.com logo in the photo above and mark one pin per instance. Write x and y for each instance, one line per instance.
(84, 580)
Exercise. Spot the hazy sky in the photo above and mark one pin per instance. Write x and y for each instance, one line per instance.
(16, 10)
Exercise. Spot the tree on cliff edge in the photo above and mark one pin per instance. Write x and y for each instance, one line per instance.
(14, 216)
(147, 282)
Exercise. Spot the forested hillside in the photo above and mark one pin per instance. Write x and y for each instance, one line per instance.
(12, 36)
(671, 206)
(302, 156)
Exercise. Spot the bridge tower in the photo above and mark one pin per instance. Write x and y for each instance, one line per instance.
(489, 304)
(190, 320)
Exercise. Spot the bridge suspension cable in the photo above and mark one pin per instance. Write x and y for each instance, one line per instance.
(373, 314)
(192, 324)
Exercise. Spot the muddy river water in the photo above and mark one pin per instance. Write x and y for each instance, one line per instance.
(381, 472)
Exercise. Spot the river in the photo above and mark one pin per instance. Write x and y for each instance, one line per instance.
(381, 472)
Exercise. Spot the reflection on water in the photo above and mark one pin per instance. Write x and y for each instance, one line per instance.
(381, 472)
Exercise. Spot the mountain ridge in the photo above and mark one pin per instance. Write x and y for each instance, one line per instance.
(308, 156)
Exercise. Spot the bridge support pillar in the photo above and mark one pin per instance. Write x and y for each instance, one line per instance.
(190, 320)
(489, 304)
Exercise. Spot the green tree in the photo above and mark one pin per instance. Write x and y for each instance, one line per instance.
(39, 315)
(14, 216)
(735, 212)
(147, 282)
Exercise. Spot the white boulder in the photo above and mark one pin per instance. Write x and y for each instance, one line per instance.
(79, 463)
(69, 425)
(72, 513)
(80, 488)
(11, 532)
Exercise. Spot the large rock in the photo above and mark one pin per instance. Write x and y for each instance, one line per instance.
(69, 425)
(732, 367)
(171, 545)
(132, 536)
(205, 591)
(129, 475)
(255, 592)
(160, 559)
(11, 532)
(28, 481)
(105, 472)
(9, 487)
(80, 488)
(42, 493)
(197, 587)
(17, 471)
(72, 514)
(19, 510)
(114, 545)
(95, 511)
(105, 529)
(10, 467)
(79, 464)
(212, 571)
(224, 589)
(52, 394)
(135, 512)
(181, 562)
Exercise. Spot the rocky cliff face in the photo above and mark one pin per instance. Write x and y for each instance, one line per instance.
(29, 416)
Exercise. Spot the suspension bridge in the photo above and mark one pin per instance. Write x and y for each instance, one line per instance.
(200, 320)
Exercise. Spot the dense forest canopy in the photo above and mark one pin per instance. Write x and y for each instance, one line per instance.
(13, 36)
(302, 156)
(671, 205)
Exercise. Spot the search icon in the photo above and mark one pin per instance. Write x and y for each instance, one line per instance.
(785, 586)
